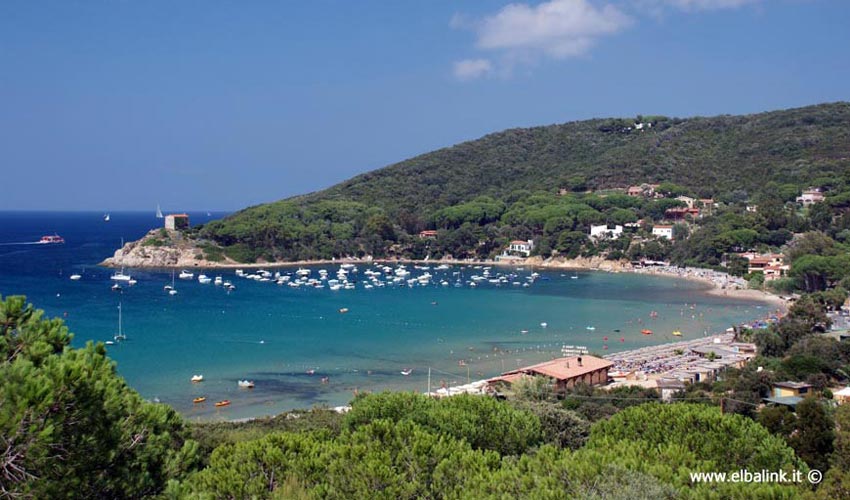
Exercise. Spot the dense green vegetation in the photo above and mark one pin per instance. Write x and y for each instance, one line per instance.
(483, 193)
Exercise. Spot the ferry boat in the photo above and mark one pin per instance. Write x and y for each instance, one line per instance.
(51, 240)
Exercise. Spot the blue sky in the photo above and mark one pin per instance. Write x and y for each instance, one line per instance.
(122, 104)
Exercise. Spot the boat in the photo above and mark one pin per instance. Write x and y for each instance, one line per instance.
(53, 239)
(343, 310)
(225, 402)
(646, 331)
(204, 279)
(544, 325)
(158, 212)
(120, 276)
(199, 400)
(170, 288)
(591, 328)
(246, 384)
(106, 218)
(186, 275)
(116, 287)
(677, 333)
(197, 378)
(407, 371)
(118, 337)
(75, 277)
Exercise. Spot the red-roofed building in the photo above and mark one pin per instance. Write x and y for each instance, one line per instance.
(428, 233)
(564, 372)
(681, 213)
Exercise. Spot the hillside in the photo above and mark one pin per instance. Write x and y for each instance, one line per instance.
(518, 171)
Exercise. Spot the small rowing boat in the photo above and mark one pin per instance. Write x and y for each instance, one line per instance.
(199, 400)
(646, 331)
(226, 402)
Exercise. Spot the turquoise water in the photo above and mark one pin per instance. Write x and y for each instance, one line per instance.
(288, 340)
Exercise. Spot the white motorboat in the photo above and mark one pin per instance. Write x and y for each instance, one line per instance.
(120, 276)
(197, 378)
(75, 277)
(204, 279)
(246, 384)
(186, 275)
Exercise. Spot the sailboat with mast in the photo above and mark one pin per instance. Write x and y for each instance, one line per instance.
(158, 212)
(170, 288)
(120, 335)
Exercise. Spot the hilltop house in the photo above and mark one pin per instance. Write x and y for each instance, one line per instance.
(176, 221)
(429, 234)
(645, 190)
(663, 231)
(563, 372)
(603, 231)
(810, 197)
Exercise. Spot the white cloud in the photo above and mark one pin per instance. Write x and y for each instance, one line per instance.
(707, 4)
(470, 69)
(557, 28)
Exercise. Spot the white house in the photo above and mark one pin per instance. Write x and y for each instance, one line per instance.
(521, 247)
(603, 231)
(663, 231)
(810, 197)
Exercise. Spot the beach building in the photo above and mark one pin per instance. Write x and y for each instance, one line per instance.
(603, 231)
(663, 231)
(668, 387)
(810, 197)
(771, 265)
(428, 234)
(520, 247)
(176, 221)
(564, 373)
(784, 389)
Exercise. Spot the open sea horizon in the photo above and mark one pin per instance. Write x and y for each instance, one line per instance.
(297, 346)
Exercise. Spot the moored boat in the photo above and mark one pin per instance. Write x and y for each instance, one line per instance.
(197, 378)
(199, 400)
(225, 402)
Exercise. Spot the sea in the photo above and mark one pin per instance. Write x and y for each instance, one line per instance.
(307, 346)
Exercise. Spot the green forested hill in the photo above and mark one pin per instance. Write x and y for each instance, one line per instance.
(727, 157)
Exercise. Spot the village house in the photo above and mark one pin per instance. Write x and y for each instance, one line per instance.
(603, 231)
(564, 373)
(428, 234)
(687, 200)
(645, 190)
(707, 205)
(681, 213)
(663, 231)
(842, 396)
(176, 221)
(810, 197)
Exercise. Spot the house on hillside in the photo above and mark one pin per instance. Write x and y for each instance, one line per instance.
(602, 231)
(663, 231)
(564, 373)
(810, 197)
(681, 213)
(176, 221)
(428, 234)
(687, 200)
